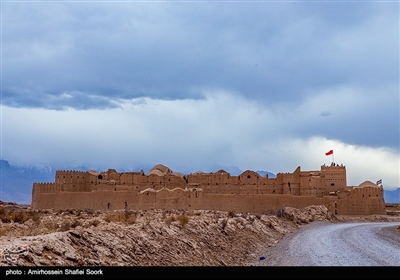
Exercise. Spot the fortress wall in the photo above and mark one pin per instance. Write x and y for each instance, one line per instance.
(195, 199)
(363, 201)
(166, 180)
(289, 183)
(311, 185)
(175, 180)
(46, 187)
(126, 178)
(248, 192)
(39, 189)
(221, 177)
(179, 199)
(241, 189)
(258, 203)
(201, 179)
(101, 200)
(72, 181)
(113, 175)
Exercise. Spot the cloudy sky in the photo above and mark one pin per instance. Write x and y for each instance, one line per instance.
(197, 85)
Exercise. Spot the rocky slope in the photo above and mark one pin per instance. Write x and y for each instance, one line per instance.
(147, 238)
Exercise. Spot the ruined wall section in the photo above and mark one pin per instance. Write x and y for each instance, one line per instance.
(221, 182)
(311, 184)
(289, 183)
(362, 201)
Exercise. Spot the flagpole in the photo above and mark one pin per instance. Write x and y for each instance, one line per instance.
(333, 158)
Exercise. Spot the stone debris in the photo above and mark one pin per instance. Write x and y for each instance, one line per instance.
(152, 237)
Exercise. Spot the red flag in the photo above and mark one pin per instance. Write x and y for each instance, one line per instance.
(329, 153)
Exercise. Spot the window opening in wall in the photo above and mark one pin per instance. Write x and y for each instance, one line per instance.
(333, 184)
(248, 176)
(100, 177)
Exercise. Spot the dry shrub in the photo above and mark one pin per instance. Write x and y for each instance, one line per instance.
(95, 222)
(4, 215)
(20, 216)
(182, 219)
(127, 217)
(231, 214)
(89, 211)
(50, 225)
(36, 218)
(3, 211)
(169, 220)
(113, 217)
(76, 223)
(4, 230)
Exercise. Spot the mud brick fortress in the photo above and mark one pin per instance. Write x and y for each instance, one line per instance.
(162, 188)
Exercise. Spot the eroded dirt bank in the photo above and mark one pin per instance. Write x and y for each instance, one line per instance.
(149, 238)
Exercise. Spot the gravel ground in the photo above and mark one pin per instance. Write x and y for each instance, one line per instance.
(338, 244)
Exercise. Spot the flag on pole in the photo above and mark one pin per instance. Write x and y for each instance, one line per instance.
(329, 153)
(379, 182)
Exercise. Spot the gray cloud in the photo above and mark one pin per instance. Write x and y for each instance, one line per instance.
(228, 83)
(271, 52)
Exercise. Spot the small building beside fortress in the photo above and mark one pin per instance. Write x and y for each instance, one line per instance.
(162, 188)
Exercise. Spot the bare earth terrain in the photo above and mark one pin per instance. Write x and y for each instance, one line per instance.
(152, 238)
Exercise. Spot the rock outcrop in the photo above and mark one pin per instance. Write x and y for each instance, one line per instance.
(146, 238)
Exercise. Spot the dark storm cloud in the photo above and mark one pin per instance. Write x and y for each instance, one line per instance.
(270, 52)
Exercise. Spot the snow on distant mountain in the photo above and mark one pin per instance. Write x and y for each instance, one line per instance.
(16, 181)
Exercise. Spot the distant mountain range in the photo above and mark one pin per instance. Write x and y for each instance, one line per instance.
(392, 196)
(16, 181)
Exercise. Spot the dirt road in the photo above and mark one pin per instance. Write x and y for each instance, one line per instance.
(338, 244)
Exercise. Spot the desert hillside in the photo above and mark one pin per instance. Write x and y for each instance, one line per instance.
(150, 238)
